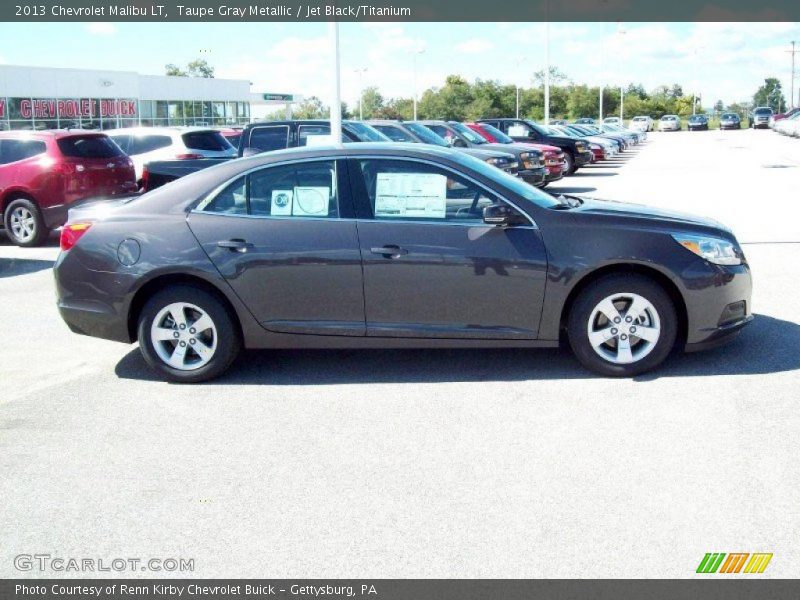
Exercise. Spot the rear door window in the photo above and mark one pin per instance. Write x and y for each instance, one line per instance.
(14, 150)
(148, 143)
(123, 141)
(90, 146)
(315, 132)
(273, 137)
(212, 141)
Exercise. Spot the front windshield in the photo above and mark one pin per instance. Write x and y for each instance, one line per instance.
(730, 116)
(540, 129)
(426, 135)
(763, 111)
(507, 181)
(466, 132)
(365, 133)
(497, 134)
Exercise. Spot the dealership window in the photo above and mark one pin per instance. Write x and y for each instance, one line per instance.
(176, 112)
(230, 113)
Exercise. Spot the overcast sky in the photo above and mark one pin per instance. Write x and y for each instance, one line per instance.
(725, 61)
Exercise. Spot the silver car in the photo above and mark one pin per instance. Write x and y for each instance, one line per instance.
(670, 123)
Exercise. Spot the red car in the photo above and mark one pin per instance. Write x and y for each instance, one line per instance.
(44, 173)
(553, 156)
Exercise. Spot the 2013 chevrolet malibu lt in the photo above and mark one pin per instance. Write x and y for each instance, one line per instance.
(393, 246)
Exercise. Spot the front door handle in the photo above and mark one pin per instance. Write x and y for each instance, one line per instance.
(389, 251)
(235, 245)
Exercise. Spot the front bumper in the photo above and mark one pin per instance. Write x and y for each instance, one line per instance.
(583, 158)
(718, 303)
(533, 176)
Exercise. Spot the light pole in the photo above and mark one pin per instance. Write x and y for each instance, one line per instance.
(547, 62)
(336, 105)
(793, 51)
(519, 62)
(620, 33)
(416, 52)
(360, 71)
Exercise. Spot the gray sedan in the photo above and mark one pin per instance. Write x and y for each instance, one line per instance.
(392, 245)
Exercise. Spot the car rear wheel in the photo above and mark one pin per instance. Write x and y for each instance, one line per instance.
(622, 325)
(187, 335)
(24, 223)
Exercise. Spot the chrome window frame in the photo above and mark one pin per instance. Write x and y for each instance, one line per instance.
(323, 158)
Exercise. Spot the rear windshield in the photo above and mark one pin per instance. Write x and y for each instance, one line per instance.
(206, 140)
(89, 146)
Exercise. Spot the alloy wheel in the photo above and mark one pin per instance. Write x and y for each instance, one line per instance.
(184, 336)
(624, 328)
(23, 224)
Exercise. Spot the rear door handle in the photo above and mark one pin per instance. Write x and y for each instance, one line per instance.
(389, 251)
(235, 245)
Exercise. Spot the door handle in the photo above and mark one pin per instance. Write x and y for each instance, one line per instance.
(235, 245)
(389, 251)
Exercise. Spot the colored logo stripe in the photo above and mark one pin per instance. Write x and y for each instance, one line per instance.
(710, 562)
(758, 563)
(734, 562)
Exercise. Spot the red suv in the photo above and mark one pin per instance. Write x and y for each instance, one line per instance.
(43, 173)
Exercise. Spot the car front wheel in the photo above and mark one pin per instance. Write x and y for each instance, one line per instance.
(622, 325)
(187, 335)
(24, 223)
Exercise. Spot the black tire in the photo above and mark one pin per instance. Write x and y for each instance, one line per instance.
(589, 298)
(40, 230)
(228, 341)
(569, 161)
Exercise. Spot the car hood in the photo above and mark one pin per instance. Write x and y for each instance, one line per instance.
(622, 210)
(485, 153)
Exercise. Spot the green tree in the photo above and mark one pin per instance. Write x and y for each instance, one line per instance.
(719, 106)
(372, 102)
(200, 68)
(311, 108)
(197, 68)
(396, 108)
(770, 94)
(173, 70)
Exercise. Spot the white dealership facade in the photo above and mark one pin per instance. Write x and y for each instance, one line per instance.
(50, 98)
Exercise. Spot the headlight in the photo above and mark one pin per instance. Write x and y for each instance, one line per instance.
(495, 161)
(714, 250)
(580, 147)
(524, 155)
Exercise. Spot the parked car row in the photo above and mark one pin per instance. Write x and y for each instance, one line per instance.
(788, 124)
(44, 173)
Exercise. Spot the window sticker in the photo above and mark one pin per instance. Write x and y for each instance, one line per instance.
(405, 195)
(311, 201)
(282, 202)
(319, 140)
(517, 131)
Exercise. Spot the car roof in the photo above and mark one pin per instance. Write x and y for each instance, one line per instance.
(50, 133)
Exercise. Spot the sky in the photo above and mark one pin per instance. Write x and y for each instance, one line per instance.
(726, 61)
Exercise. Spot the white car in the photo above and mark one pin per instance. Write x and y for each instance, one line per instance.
(642, 123)
(670, 123)
(145, 144)
(789, 126)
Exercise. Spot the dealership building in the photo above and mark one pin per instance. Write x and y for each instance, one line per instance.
(49, 98)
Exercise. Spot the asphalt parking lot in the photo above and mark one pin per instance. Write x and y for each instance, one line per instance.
(507, 463)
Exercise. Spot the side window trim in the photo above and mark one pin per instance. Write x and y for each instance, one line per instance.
(364, 206)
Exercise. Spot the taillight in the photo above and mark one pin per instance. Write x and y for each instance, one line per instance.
(188, 156)
(145, 178)
(71, 233)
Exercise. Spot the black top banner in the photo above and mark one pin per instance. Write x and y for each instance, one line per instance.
(405, 10)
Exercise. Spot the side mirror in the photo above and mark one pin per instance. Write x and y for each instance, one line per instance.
(251, 151)
(459, 143)
(502, 215)
(531, 135)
